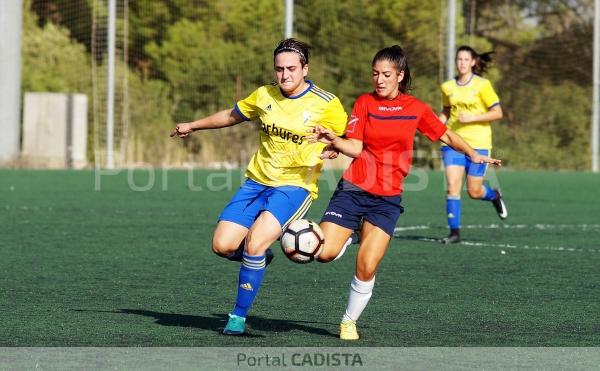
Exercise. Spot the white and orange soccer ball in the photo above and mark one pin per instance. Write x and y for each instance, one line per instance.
(302, 241)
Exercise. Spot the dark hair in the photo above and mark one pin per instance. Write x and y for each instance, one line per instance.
(481, 60)
(395, 55)
(294, 46)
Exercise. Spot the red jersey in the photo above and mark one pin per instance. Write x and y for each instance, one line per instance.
(387, 130)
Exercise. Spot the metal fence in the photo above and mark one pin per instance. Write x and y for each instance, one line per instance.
(173, 61)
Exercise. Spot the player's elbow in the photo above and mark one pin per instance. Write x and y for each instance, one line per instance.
(356, 147)
(498, 114)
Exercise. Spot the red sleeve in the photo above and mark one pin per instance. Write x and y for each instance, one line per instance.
(357, 120)
(430, 125)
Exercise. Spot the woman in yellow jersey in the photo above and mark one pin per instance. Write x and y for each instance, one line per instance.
(282, 174)
(469, 105)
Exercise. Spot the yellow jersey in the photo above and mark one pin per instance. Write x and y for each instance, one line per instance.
(476, 96)
(284, 156)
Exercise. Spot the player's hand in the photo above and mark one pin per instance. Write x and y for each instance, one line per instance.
(320, 134)
(479, 159)
(182, 130)
(329, 153)
(465, 118)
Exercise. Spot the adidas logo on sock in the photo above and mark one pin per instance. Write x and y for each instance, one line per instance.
(247, 286)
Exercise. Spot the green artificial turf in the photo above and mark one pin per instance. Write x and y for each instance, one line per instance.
(90, 259)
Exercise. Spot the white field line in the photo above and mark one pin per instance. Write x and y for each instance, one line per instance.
(528, 247)
(583, 227)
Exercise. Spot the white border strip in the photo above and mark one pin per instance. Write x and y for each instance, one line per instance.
(286, 358)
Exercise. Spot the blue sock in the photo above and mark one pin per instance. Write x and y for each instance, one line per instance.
(251, 275)
(489, 195)
(453, 211)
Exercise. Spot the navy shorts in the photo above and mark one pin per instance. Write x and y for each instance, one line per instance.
(349, 205)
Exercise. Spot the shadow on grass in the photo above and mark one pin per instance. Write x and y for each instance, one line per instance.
(217, 322)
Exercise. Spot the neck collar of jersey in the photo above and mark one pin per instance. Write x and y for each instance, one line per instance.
(310, 85)
(464, 83)
(378, 97)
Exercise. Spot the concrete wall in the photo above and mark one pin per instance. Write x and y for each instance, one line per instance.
(54, 130)
(11, 13)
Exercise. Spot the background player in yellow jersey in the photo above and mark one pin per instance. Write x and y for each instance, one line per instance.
(469, 105)
(282, 174)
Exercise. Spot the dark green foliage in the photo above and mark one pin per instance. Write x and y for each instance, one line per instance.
(552, 130)
(193, 58)
(52, 61)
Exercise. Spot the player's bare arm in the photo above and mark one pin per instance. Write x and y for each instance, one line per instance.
(444, 115)
(329, 153)
(495, 113)
(228, 117)
(458, 143)
(349, 147)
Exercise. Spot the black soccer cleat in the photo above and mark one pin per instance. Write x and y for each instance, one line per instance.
(238, 255)
(453, 237)
(355, 238)
(269, 256)
(499, 205)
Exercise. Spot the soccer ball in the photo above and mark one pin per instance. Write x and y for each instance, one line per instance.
(302, 241)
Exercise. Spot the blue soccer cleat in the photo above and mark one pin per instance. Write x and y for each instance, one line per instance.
(235, 326)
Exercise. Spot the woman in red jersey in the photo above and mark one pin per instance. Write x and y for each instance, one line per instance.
(379, 137)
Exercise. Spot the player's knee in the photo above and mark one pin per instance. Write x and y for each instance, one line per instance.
(329, 253)
(366, 272)
(453, 191)
(218, 251)
(254, 247)
(475, 193)
(325, 257)
(222, 246)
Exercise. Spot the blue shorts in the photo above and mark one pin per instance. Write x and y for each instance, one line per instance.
(350, 204)
(455, 158)
(286, 203)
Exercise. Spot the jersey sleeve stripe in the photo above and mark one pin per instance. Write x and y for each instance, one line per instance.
(494, 105)
(326, 93)
(237, 109)
(320, 95)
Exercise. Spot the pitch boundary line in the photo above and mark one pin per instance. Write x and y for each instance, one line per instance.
(398, 230)
(590, 227)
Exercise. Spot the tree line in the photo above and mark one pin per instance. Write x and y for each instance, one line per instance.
(187, 58)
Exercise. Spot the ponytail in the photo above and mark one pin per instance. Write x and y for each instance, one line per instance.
(481, 60)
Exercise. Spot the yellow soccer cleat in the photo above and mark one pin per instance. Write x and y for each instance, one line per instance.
(348, 330)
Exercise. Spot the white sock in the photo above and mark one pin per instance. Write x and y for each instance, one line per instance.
(343, 250)
(360, 293)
